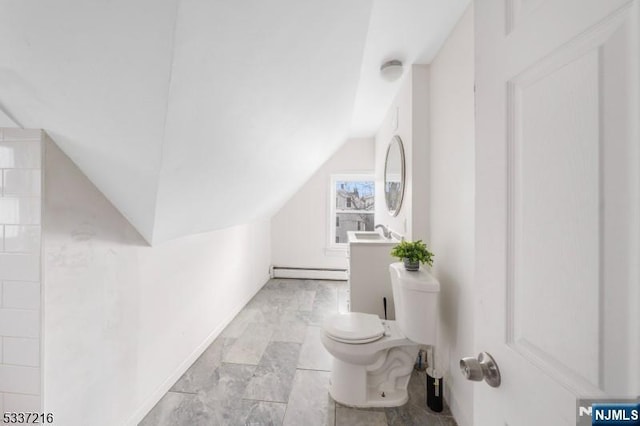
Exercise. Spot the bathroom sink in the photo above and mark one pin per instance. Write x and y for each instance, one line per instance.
(368, 236)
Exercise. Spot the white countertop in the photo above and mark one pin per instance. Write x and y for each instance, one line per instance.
(370, 238)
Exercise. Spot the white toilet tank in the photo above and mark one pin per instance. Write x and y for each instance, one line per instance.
(415, 296)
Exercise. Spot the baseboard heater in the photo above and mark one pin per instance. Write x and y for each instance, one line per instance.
(308, 273)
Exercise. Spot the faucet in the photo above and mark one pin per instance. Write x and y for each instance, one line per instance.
(385, 230)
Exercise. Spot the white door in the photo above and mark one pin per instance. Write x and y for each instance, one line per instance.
(557, 205)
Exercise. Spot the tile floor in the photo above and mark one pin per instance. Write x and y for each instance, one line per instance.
(268, 367)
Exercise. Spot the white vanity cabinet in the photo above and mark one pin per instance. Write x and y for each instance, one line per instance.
(369, 279)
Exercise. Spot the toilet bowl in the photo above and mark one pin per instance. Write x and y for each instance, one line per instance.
(373, 358)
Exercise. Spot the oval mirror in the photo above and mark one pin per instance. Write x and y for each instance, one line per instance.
(394, 176)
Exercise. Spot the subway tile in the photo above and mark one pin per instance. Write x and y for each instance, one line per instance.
(21, 351)
(22, 238)
(24, 182)
(20, 154)
(18, 379)
(20, 210)
(19, 323)
(20, 267)
(22, 134)
(16, 403)
(21, 295)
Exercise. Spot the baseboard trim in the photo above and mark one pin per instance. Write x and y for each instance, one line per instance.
(309, 273)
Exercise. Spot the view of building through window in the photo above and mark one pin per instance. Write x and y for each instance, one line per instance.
(354, 207)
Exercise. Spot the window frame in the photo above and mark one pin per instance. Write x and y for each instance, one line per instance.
(332, 246)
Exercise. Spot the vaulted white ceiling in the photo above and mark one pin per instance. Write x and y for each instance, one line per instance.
(193, 115)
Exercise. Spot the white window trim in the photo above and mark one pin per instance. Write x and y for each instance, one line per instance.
(334, 248)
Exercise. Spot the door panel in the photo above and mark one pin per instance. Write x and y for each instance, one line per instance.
(553, 290)
(557, 214)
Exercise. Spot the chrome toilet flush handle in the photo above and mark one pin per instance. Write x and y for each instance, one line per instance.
(483, 367)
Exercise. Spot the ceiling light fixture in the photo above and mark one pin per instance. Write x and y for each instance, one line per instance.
(391, 70)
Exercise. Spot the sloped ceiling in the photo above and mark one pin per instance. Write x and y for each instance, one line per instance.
(6, 121)
(194, 115)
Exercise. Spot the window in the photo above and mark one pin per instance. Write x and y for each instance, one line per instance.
(352, 209)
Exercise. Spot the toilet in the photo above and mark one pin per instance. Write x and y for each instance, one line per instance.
(373, 358)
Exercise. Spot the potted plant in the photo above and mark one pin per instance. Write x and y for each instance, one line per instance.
(412, 253)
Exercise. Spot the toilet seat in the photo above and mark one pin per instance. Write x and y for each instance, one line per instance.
(354, 328)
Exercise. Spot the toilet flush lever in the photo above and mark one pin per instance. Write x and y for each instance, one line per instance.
(483, 367)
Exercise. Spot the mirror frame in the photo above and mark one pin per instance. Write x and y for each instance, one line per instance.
(395, 139)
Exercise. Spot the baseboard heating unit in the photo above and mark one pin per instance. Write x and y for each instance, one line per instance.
(308, 273)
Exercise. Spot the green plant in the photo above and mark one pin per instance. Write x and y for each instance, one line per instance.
(414, 251)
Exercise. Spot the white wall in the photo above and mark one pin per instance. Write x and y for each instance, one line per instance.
(299, 231)
(452, 207)
(20, 189)
(434, 113)
(123, 320)
(5, 120)
(408, 118)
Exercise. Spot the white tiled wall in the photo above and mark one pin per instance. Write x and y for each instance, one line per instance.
(20, 214)
(21, 351)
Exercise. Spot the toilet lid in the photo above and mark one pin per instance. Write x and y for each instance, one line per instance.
(354, 327)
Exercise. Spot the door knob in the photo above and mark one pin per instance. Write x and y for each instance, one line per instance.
(483, 367)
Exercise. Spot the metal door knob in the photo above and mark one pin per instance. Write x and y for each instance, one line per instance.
(483, 367)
